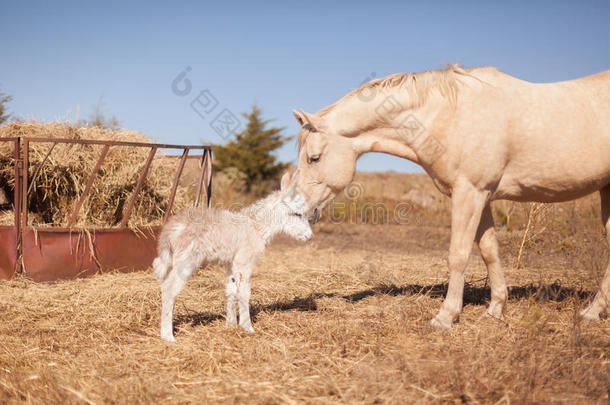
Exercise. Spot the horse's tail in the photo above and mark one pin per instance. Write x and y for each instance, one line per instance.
(162, 263)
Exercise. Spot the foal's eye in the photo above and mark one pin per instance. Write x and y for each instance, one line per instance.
(314, 159)
(296, 214)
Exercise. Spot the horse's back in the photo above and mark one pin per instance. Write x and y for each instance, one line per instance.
(597, 87)
(558, 140)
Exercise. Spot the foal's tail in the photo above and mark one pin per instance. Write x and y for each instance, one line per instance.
(162, 263)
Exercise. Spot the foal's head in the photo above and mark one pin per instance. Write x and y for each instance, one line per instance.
(289, 212)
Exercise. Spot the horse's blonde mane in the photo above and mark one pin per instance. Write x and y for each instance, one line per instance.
(418, 86)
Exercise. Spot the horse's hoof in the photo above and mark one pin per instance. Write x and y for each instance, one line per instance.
(169, 338)
(439, 324)
(588, 315)
(494, 314)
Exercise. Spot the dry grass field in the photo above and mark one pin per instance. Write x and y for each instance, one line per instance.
(341, 319)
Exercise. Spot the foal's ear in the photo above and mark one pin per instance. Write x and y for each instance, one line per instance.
(285, 182)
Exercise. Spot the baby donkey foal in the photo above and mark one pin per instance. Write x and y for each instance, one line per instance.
(197, 238)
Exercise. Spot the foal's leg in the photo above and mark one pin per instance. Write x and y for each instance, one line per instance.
(242, 273)
(170, 288)
(231, 293)
(488, 245)
(601, 302)
(467, 204)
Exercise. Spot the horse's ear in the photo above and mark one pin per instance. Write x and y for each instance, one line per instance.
(305, 119)
(299, 117)
(285, 182)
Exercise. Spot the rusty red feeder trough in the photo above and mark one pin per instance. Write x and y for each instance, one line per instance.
(47, 254)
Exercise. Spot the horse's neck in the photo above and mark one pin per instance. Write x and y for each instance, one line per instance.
(384, 123)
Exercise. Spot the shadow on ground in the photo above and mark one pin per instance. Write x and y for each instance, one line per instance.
(472, 296)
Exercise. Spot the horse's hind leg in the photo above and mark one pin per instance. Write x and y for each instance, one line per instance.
(488, 245)
(601, 302)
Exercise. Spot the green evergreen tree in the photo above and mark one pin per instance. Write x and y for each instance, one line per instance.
(252, 152)
(3, 100)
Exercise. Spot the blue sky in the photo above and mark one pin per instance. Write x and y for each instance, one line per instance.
(280, 55)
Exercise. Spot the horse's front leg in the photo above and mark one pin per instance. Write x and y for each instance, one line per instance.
(467, 204)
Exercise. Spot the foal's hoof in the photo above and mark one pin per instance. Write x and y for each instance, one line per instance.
(169, 338)
(248, 328)
(438, 323)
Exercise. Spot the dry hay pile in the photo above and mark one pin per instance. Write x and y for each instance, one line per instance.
(60, 180)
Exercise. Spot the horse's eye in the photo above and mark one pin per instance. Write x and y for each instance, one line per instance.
(314, 159)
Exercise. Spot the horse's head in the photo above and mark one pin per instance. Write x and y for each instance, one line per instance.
(327, 162)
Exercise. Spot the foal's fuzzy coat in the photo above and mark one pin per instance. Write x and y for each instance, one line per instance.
(194, 238)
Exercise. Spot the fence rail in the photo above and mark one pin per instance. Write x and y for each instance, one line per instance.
(51, 253)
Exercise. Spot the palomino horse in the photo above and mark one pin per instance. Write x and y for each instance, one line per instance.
(481, 135)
